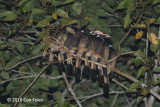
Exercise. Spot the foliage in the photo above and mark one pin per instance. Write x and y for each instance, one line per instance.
(25, 26)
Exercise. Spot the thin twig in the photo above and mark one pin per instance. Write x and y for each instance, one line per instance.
(121, 54)
(7, 69)
(67, 84)
(2, 64)
(128, 33)
(30, 76)
(71, 91)
(114, 100)
(26, 62)
(122, 86)
(33, 82)
(114, 80)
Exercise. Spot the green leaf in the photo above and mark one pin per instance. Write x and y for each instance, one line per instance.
(156, 70)
(156, 2)
(127, 21)
(101, 13)
(141, 71)
(107, 8)
(58, 96)
(8, 16)
(158, 21)
(65, 22)
(4, 75)
(138, 61)
(77, 8)
(28, 6)
(71, 22)
(43, 33)
(13, 61)
(68, 1)
(23, 2)
(37, 17)
(5, 55)
(157, 82)
(91, 3)
(122, 5)
(43, 23)
(110, 2)
(37, 11)
(62, 13)
(129, 4)
(3, 46)
(9, 87)
(139, 53)
(20, 47)
(131, 7)
(46, 43)
(131, 90)
(154, 47)
(54, 83)
(42, 84)
(139, 99)
(136, 85)
(56, 3)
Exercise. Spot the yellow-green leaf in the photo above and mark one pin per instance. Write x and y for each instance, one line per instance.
(3, 46)
(65, 21)
(22, 68)
(87, 19)
(152, 20)
(139, 34)
(54, 16)
(153, 38)
(140, 26)
(145, 91)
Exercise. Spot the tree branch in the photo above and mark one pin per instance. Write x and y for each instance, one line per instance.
(33, 82)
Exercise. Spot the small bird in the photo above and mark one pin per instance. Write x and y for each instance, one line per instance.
(70, 30)
(99, 34)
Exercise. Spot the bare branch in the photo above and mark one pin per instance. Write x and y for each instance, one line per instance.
(34, 81)
(71, 91)
(129, 32)
(7, 69)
